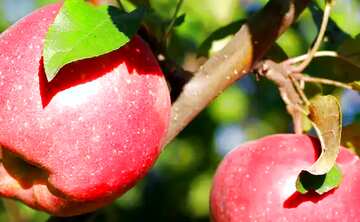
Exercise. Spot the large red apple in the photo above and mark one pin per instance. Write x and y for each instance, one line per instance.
(75, 144)
(256, 182)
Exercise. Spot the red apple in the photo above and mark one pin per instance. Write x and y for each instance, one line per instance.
(75, 144)
(256, 182)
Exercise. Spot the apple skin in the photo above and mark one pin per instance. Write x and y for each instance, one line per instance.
(256, 182)
(75, 144)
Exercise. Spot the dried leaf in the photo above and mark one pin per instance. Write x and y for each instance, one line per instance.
(325, 114)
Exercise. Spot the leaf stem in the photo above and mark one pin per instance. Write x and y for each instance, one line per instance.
(301, 58)
(172, 23)
(321, 81)
(319, 39)
(299, 90)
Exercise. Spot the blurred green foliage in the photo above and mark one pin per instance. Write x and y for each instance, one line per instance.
(231, 106)
(177, 189)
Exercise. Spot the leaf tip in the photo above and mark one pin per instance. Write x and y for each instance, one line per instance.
(319, 183)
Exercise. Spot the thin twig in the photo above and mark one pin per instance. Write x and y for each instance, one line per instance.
(295, 60)
(299, 90)
(321, 81)
(173, 20)
(319, 39)
(301, 58)
(288, 87)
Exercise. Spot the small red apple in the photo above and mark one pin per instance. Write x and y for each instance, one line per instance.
(256, 182)
(76, 143)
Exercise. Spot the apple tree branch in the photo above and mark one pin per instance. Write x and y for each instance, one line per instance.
(234, 61)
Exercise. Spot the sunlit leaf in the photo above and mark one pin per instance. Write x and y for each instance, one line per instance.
(291, 42)
(218, 34)
(82, 30)
(343, 13)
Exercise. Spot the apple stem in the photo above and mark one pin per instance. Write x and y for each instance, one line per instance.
(322, 81)
(318, 40)
(290, 90)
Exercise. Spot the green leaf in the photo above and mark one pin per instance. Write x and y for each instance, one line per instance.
(342, 12)
(349, 53)
(319, 183)
(179, 20)
(325, 115)
(335, 35)
(350, 49)
(82, 31)
(218, 34)
(313, 89)
(333, 68)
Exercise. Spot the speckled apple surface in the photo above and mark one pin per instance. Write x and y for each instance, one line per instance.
(91, 133)
(256, 182)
